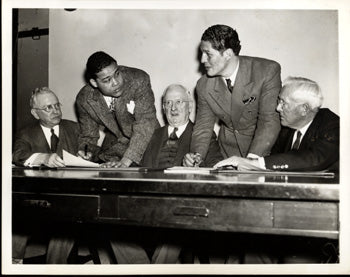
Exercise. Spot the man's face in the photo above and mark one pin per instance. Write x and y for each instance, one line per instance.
(289, 109)
(214, 61)
(47, 110)
(109, 81)
(177, 107)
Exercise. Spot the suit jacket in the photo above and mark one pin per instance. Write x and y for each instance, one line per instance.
(318, 150)
(250, 122)
(32, 140)
(127, 134)
(151, 156)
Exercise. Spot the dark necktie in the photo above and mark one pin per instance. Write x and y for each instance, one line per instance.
(173, 137)
(297, 141)
(229, 85)
(54, 141)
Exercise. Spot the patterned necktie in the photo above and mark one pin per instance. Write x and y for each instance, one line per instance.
(229, 85)
(112, 105)
(297, 141)
(54, 141)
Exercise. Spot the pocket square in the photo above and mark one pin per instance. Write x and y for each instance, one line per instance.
(249, 100)
(130, 107)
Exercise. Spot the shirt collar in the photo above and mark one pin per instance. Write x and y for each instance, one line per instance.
(180, 129)
(233, 76)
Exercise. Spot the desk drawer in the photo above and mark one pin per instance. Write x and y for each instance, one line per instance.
(212, 214)
(55, 206)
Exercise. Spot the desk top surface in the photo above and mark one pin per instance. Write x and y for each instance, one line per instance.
(233, 184)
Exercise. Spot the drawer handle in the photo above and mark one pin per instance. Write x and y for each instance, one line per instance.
(37, 203)
(191, 211)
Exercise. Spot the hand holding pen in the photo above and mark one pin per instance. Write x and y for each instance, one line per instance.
(85, 154)
(192, 160)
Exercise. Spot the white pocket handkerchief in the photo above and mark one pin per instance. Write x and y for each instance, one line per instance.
(130, 107)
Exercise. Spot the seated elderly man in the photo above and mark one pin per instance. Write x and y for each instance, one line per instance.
(309, 139)
(42, 144)
(167, 148)
(170, 143)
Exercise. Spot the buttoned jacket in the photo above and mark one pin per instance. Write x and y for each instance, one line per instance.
(318, 149)
(160, 136)
(248, 116)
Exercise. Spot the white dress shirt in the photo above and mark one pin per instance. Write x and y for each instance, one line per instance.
(179, 131)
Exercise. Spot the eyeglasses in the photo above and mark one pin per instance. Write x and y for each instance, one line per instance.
(178, 103)
(50, 108)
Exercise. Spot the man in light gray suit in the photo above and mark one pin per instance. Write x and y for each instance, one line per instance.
(121, 100)
(239, 91)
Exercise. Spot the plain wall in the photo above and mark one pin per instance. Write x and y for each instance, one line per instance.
(165, 43)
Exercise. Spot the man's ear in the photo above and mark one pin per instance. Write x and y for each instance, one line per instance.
(93, 83)
(305, 109)
(34, 113)
(228, 53)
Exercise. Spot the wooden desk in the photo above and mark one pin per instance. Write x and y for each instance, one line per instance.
(233, 202)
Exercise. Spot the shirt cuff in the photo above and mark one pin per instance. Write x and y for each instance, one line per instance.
(252, 156)
(261, 161)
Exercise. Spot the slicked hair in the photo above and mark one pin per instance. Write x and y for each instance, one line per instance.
(305, 90)
(222, 37)
(98, 61)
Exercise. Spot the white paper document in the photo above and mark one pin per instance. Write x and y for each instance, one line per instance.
(71, 160)
(188, 170)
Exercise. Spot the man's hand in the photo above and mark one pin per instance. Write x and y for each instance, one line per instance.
(50, 160)
(192, 160)
(116, 162)
(88, 156)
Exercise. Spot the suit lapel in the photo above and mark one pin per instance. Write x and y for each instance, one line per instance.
(184, 143)
(156, 150)
(40, 138)
(218, 90)
(99, 105)
(241, 90)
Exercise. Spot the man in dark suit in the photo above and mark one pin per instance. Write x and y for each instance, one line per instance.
(164, 151)
(121, 100)
(42, 144)
(309, 139)
(239, 91)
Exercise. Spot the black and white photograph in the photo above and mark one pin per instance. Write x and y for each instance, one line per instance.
(175, 137)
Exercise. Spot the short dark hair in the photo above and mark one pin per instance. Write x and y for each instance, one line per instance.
(98, 61)
(222, 37)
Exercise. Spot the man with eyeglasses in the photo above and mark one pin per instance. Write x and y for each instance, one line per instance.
(167, 148)
(309, 139)
(171, 142)
(120, 100)
(42, 144)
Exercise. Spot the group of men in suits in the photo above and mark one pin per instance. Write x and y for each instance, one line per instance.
(243, 93)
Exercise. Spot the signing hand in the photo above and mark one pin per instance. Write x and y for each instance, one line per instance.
(88, 156)
(192, 160)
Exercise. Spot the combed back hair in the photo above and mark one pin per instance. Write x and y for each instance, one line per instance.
(36, 92)
(177, 87)
(98, 61)
(222, 37)
(304, 90)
